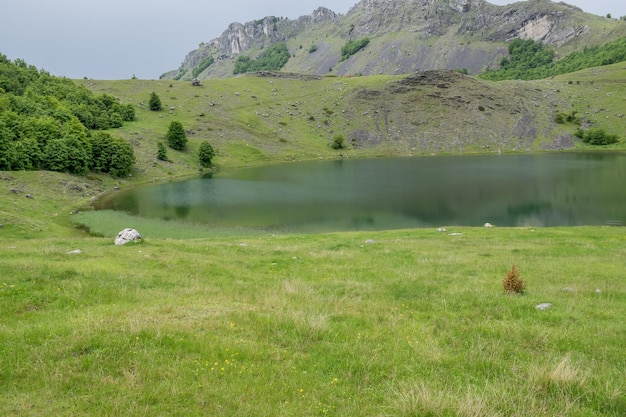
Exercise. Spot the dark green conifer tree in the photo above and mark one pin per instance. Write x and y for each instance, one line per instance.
(176, 136)
(206, 154)
(161, 151)
(155, 102)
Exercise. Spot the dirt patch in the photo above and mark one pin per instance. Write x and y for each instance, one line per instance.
(367, 94)
(434, 78)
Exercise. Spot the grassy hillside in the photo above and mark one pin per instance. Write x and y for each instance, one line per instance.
(269, 119)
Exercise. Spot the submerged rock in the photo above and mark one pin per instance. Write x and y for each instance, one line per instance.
(127, 235)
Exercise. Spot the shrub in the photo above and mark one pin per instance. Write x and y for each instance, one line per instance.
(513, 282)
(155, 102)
(572, 118)
(559, 118)
(272, 59)
(352, 47)
(206, 154)
(597, 136)
(204, 64)
(127, 112)
(579, 133)
(339, 142)
(567, 117)
(116, 120)
(176, 136)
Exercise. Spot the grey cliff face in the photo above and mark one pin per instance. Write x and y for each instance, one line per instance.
(238, 38)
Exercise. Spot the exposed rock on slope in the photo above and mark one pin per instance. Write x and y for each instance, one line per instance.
(444, 111)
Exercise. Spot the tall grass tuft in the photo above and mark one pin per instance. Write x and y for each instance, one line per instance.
(417, 399)
(564, 378)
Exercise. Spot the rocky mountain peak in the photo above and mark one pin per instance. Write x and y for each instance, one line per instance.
(404, 35)
(321, 14)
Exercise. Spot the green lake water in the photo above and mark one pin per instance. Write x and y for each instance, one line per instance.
(551, 189)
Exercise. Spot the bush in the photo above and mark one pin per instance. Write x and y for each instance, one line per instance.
(128, 112)
(572, 118)
(206, 154)
(339, 142)
(567, 117)
(154, 103)
(559, 118)
(352, 47)
(204, 64)
(579, 133)
(273, 59)
(513, 282)
(116, 120)
(597, 136)
(176, 136)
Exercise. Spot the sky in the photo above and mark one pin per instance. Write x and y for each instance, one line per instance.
(116, 39)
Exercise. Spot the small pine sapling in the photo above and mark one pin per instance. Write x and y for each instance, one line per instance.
(513, 282)
(161, 151)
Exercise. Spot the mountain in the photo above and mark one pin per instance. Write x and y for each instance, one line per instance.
(404, 36)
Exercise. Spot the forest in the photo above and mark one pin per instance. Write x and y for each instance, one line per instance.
(52, 123)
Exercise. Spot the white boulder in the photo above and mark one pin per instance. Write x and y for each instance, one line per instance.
(127, 235)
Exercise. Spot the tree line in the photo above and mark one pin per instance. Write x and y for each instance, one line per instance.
(51, 123)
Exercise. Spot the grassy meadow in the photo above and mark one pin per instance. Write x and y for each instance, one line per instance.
(398, 323)
(387, 323)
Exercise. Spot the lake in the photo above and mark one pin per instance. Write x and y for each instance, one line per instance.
(551, 189)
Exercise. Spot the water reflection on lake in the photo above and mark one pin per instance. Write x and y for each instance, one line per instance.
(372, 194)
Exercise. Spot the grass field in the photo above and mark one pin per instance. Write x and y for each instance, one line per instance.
(401, 323)
(388, 323)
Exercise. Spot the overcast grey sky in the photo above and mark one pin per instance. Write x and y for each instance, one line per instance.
(114, 39)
